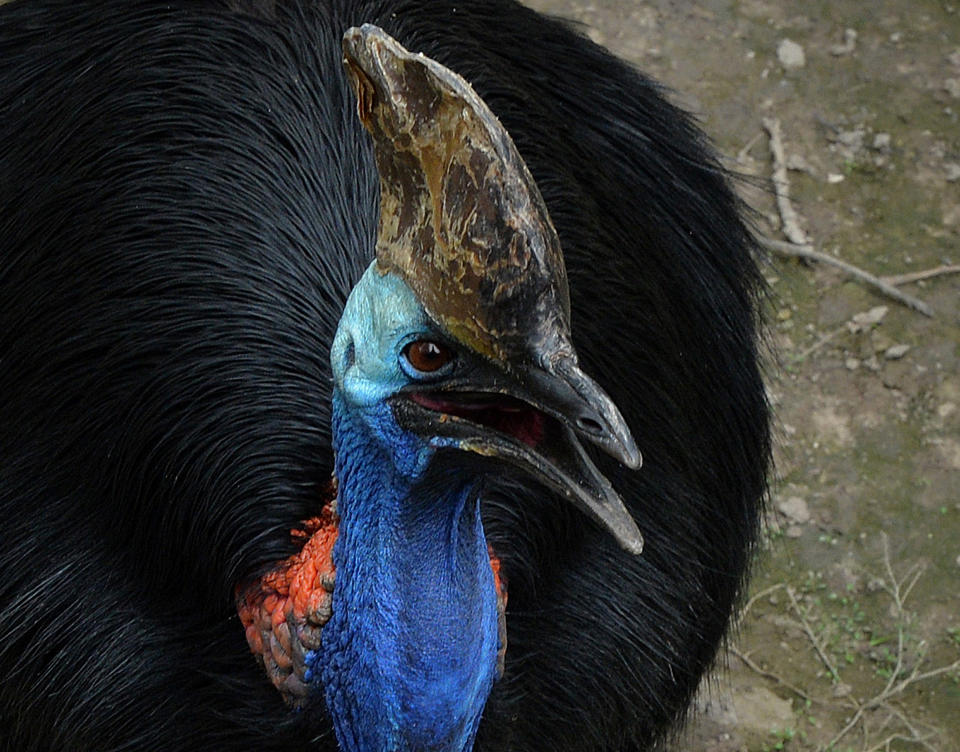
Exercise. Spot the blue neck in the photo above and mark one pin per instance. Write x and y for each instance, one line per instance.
(409, 655)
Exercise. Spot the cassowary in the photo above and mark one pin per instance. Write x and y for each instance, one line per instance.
(325, 376)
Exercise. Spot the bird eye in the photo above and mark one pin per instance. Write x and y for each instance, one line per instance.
(427, 356)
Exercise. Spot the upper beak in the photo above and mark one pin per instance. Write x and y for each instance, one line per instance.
(567, 393)
(531, 420)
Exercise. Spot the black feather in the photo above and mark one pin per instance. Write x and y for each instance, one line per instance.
(186, 200)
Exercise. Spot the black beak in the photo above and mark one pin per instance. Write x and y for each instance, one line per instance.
(531, 420)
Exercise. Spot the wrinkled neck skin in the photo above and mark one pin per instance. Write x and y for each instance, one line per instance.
(409, 655)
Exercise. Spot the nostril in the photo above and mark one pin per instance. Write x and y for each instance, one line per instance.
(589, 425)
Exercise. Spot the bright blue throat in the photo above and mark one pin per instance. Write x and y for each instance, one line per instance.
(409, 656)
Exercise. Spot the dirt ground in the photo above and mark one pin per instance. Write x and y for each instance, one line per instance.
(851, 638)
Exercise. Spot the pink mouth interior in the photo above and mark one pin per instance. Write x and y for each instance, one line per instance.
(501, 413)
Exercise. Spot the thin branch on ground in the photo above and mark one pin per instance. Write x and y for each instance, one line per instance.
(805, 624)
(753, 665)
(757, 669)
(898, 590)
(877, 716)
(937, 271)
(742, 154)
(799, 245)
(917, 736)
(781, 185)
(825, 339)
(757, 596)
(886, 744)
(805, 250)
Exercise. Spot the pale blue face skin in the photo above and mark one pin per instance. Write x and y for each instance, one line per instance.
(381, 318)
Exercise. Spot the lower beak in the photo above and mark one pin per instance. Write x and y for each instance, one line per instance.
(532, 421)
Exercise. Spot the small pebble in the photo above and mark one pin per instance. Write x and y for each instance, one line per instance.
(866, 319)
(952, 87)
(797, 163)
(842, 690)
(953, 171)
(852, 364)
(881, 142)
(791, 54)
(852, 139)
(896, 352)
(835, 177)
(795, 509)
(849, 43)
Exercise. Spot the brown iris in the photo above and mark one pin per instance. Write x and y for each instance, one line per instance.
(427, 356)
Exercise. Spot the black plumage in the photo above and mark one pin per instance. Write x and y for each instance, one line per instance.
(186, 200)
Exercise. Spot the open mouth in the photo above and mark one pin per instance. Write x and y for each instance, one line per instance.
(500, 412)
(520, 434)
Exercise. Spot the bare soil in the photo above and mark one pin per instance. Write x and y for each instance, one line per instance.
(851, 639)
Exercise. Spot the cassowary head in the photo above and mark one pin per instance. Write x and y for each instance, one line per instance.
(452, 360)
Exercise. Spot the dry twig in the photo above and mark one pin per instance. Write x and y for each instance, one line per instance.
(756, 668)
(805, 624)
(899, 591)
(799, 245)
(894, 725)
(781, 185)
(745, 151)
(803, 355)
(757, 596)
(937, 271)
(793, 250)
